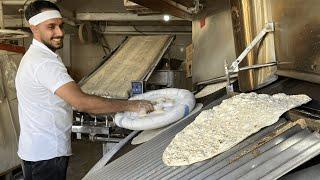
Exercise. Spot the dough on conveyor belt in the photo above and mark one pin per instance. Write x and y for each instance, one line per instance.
(217, 130)
(211, 88)
(147, 135)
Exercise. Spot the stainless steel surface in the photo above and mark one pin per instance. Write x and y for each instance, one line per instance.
(168, 78)
(311, 173)
(297, 39)
(216, 80)
(249, 17)
(268, 154)
(310, 77)
(213, 43)
(107, 157)
(90, 129)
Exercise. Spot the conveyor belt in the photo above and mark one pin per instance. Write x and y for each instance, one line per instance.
(267, 154)
(134, 60)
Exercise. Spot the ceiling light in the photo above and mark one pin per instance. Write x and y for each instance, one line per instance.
(166, 17)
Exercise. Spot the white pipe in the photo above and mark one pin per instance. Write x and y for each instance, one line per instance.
(147, 32)
(18, 3)
(120, 17)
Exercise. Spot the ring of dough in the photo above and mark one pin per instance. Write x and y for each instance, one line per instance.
(170, 105)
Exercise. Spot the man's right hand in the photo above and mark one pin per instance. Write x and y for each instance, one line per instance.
(141, 106)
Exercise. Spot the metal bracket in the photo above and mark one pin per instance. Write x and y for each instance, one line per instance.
(197, 7)
(269, 27)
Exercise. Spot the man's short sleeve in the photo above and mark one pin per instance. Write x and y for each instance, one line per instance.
(52, 75)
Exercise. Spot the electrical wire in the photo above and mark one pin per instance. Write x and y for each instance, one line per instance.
(135, 28)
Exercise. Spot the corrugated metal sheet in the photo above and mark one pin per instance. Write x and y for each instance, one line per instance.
(268, 154)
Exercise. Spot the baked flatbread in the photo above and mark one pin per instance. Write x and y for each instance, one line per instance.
(222, 127)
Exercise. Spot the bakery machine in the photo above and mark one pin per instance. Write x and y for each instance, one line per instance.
(283, 60)
(136, 66)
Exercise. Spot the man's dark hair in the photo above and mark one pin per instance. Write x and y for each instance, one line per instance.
(37, 7)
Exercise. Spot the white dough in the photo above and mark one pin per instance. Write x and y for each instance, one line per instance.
(147, 135)
(222, 127)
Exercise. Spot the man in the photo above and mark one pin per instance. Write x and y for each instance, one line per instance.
(46, 93)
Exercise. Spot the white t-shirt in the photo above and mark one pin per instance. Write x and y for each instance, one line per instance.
(45, 119)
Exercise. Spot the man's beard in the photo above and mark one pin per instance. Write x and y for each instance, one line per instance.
(53, 48)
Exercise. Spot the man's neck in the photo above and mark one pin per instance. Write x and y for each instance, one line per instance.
(38, 39)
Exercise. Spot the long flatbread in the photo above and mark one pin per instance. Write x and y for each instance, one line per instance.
(216, 130)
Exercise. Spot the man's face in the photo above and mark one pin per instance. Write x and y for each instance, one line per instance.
(50, 33)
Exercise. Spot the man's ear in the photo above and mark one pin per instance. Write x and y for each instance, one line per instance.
(34, 29)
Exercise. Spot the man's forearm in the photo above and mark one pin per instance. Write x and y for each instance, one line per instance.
(81, 101)
(99, 105)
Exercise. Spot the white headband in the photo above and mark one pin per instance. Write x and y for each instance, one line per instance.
(43, 16)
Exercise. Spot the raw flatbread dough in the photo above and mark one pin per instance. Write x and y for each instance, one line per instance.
(160, 105)
(222, 127)
(147, 135)
(209, 89)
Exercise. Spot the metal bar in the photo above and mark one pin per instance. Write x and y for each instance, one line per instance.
(179, 6)
(149, 28)
(17, 3)
(120, 17)
(257, 66)
(105, 139)
(217, 80)
(268, 28)
(165, 7)
(90, 129)
(186, 3)
(148, 33)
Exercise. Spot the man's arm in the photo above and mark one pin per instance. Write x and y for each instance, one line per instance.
(72, 94)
